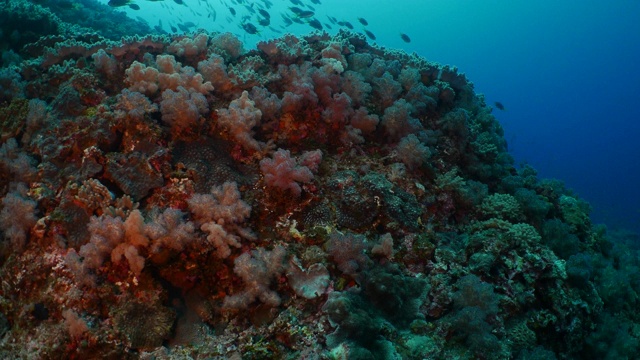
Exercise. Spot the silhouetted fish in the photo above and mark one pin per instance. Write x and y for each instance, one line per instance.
(118, 3)
(264, 13)
(363, 21)
(305, 14)
(250, 28)
(499, 105)
(370, 34)
(314, 23)
(405, 38)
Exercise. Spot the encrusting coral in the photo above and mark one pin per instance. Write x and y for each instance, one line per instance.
(311, 198)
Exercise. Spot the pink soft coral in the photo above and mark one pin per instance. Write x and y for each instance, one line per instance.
(285, 172)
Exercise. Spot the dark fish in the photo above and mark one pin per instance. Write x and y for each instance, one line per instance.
(179, 2)
(264, 21)
(317, 2)
(250, 28)
(264, 13)
(305, 14)
(118, 3)
(314, 23)
(405, 38)
(332, 19)
(328, 26)
(370, 34)
(134, 6)
(232, 11)
(348, 25)
(296, 10)
(173, 28)
(286, 20)
(499, 105)
(363, 21)
(296, 2)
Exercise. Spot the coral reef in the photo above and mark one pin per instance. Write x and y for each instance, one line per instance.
(317, 197)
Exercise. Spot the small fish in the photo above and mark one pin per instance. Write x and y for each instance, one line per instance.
(118, 3)
(305, 14)
(405, 38)
(232, 11)
(134, 6)
(264, 13)
(314, 23)
(296, 2)
(317, 2)
(348, 25)
(363, 21)
(296, 10)
(264, 21)
(286, 20)
(499, 105)
(179, 2)
(370, 34)
(250, 28)
(173, 28)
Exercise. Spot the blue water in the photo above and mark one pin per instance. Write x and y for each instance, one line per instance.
(566, 72)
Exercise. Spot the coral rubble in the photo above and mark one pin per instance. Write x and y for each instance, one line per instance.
(316, 198)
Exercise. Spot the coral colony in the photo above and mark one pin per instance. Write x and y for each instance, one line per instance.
(318, 197)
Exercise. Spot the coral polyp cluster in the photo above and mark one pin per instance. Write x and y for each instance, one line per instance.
(315, 198)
